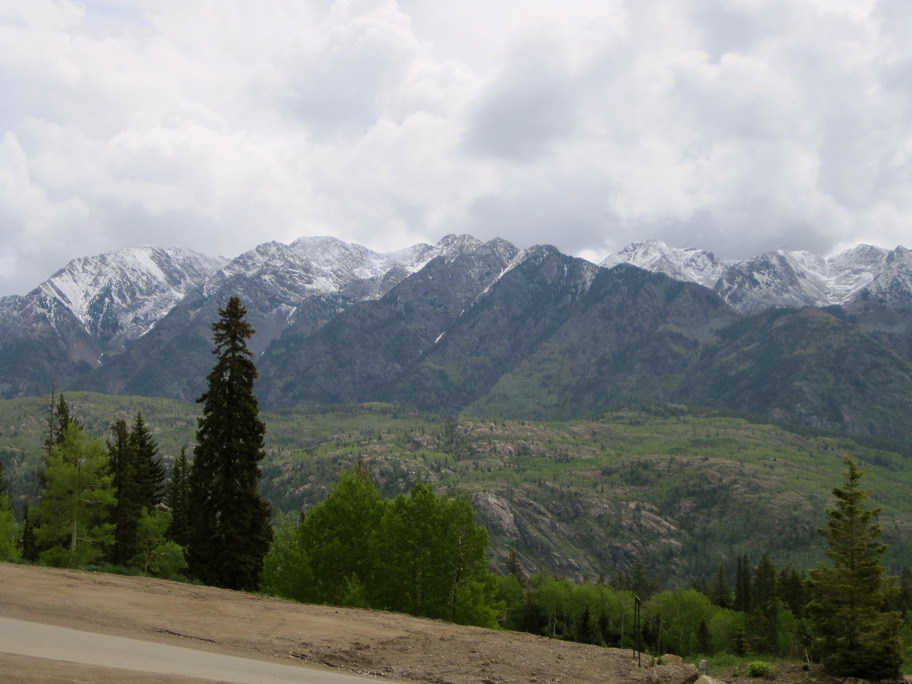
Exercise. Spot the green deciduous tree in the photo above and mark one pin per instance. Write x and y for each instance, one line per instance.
(72, 518)
(431, 559)
(229, 519)
(286, 569)
(336, 535)
(857, 636)
(156, 554)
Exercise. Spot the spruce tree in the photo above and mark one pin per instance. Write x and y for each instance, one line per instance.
(764, 611)
(857, 636)
(150, 473)
(125, 514)
(138, 479)
(719, 591)
(743, 585)
(177, 499)
(229, 520)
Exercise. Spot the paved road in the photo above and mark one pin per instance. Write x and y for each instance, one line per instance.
(60, 643)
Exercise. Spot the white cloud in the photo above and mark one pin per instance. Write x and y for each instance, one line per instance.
(739, 126)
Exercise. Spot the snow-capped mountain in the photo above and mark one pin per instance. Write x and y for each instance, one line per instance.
(119, 296)
(465, 323)
(784, 278)
(690, 265)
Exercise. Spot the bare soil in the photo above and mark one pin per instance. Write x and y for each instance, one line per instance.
(386, 645)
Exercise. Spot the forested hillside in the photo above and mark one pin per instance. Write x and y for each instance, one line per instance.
(673, 490)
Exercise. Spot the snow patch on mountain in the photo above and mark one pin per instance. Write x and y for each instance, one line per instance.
(690, 264)
(776, 279)
(124, 293)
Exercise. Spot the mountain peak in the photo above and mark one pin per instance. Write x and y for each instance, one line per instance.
(690, 264)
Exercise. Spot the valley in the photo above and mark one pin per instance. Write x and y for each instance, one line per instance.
(676, 490)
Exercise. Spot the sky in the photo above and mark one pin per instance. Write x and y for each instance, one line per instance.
(739, 126)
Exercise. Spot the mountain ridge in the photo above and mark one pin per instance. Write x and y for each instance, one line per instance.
(485, 327)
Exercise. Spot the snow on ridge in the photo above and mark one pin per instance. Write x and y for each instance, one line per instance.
(807, 278)
(134, 272)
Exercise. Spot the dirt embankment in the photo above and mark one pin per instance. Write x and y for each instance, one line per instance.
(385, 645)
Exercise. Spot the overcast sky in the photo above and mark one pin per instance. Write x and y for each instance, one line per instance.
(739, 126)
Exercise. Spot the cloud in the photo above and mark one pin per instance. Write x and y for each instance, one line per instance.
(526, 108)
(736, 126)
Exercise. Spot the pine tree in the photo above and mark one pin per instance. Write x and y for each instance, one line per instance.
(230, 532)
(177, 499)
(584, 632)
(856, 635)
(719, 591)
(764, 612)
(150, 473)
(743, 585)
(792, 591)
(27, 544)
(8, 529)
(125, 514)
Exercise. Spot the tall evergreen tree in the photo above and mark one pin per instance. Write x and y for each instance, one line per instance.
(719, 591)
(177, 499)
(230, 532)
(8, 529)
(764, 612)
(856, 634)
(150, 473)
(138, 480)
(743, 585)
(125, 514)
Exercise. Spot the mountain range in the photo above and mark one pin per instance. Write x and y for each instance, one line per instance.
(484, 328)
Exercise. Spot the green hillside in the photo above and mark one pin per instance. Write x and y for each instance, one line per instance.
(678, 490)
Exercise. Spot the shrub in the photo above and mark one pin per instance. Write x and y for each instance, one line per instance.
(759, 668)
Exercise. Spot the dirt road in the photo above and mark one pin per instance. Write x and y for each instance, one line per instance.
(385, 645)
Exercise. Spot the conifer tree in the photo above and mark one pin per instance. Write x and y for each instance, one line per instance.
(764, 611)
(230, 532)
(138, 480)
(857, 635)
(8, 529)
(743, 585)
(177, 499)
(150, 473)
(719, 591)
(125, 514)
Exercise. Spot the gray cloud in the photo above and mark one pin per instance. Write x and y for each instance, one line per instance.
(527, 108)
(738, 127)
